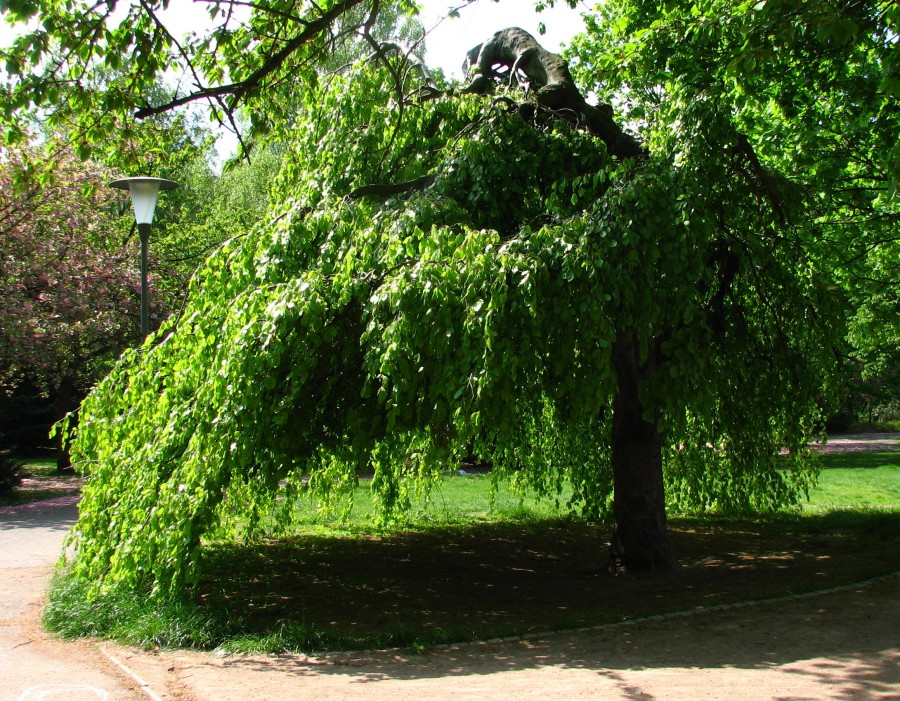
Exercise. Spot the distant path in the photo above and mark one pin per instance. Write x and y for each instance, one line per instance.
(33, 666)
(860, 442)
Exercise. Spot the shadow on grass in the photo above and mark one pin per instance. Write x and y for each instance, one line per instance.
(490, 581)
(860, 460)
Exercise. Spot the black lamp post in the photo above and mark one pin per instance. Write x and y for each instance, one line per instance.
(144, 192)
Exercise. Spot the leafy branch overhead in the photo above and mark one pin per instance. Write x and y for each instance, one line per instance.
(90, 67)
(277, 56)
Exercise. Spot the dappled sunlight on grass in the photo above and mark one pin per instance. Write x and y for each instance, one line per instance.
(471, 562)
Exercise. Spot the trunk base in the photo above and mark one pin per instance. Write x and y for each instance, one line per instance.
(641, 541)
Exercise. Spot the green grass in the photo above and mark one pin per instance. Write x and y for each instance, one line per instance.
(858, 480)
(455, 500)
(130, 618)
(479, 581)
(39, 466)
(888, 426)
(854, 480)
(293, 637)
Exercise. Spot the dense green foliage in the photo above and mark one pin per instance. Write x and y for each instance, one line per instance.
(814, 90)
(353, 333)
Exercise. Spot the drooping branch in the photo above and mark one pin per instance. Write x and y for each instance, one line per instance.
(757, 173)
(390, 189)
(311, 30)
(547, 75)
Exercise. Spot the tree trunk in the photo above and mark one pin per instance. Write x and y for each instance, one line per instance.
(641, 541)
(64, 403)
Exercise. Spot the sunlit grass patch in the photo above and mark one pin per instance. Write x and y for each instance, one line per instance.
(858, 480)
(455, 499)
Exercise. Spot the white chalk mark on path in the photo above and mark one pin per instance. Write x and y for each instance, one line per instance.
(69, 692)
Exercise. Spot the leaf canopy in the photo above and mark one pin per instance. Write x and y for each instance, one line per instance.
(814, 87)
(92, 69)
(475, 311)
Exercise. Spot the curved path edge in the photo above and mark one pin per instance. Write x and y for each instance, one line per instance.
(836, 643)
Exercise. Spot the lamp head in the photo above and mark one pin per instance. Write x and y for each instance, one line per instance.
(144, 192)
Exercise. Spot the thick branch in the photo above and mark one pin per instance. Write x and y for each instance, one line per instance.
(390, 189)
(310, 31)
(414, 61)
(547, 74)
(758, 172)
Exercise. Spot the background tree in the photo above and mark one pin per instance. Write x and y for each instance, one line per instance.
(9, 472)
(61, 220)
(813, 90)
(69, 284)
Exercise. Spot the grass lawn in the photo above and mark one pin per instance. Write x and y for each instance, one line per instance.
(468, 564)
(858, 480)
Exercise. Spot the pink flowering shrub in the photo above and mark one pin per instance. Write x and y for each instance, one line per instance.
(69, 275)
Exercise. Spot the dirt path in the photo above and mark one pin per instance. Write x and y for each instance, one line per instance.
(33, 666)
(840, 645)
(860, 442)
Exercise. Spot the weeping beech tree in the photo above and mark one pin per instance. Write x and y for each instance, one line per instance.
(461, 274)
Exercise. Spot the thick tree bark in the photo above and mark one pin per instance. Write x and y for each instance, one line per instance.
(548, 77)
(641, 541)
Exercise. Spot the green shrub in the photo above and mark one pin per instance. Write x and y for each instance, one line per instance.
(9, 472)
